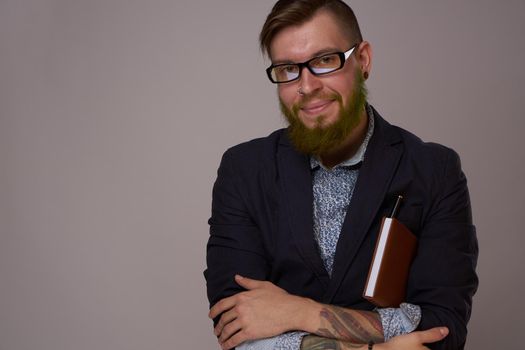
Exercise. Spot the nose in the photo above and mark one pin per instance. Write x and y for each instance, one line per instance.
(309, 82)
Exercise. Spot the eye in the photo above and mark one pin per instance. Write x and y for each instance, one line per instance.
(326, 61)
(288, 68)
(286, 71)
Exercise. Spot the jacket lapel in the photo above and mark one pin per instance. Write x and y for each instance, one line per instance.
(296, 175)
(381, 159)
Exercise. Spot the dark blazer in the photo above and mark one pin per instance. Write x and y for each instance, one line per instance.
(262, 225)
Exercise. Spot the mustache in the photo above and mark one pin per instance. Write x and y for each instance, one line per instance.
(317, 96)
(314, 96)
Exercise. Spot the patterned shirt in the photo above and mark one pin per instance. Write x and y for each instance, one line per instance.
(332, 190)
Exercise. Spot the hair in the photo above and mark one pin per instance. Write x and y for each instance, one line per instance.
(286, 13)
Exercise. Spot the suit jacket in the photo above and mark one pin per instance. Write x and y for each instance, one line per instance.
(262, 225)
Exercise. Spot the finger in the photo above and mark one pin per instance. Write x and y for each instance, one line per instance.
(248, 283)
(235, 340)
(229, 330)
(433, 335)
(222, 306)
(226, 318)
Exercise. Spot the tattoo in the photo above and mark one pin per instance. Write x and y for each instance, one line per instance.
(313, 342)
(358, 327)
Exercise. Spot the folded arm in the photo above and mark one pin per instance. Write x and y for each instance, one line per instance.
(265, 310)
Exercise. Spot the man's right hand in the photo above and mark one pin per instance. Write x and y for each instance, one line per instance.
(412, 341)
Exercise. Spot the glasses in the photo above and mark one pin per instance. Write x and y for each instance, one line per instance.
(287, 72)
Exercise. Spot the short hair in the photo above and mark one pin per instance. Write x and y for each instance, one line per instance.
(286, 13)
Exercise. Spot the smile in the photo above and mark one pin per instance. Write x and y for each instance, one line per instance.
(316, 108)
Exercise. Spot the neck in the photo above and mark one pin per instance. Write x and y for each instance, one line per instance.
(349, 146)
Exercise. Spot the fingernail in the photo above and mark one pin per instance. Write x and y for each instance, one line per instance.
(443, 331)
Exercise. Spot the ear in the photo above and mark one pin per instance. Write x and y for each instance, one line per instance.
(364, 57)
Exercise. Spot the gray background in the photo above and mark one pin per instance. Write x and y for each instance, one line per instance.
(113, 118)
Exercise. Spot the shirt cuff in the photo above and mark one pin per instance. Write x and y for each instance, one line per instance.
(290, 341)
(402, 320)
(285, 341)
(258, 344)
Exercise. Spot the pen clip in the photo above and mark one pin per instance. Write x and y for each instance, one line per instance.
(396, 206)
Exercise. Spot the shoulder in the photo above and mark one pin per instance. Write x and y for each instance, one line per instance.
(430, 161)
(255, 154)
(427, 154)
(430, 153)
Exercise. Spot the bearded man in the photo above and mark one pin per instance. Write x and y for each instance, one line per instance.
(296, 215)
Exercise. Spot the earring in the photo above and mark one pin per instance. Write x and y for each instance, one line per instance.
(365, 75)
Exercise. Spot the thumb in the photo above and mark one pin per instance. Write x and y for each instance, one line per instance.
(433, 335)
(247, 283)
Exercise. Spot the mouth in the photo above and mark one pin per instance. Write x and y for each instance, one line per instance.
(316, 108)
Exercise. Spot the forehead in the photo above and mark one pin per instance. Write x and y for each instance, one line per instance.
(299, 43)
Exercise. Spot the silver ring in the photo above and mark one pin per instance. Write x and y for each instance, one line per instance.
(300, 91)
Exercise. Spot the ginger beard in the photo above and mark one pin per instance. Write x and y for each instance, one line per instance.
(323, 139)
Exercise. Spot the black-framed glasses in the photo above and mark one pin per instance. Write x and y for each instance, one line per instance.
(287, 72)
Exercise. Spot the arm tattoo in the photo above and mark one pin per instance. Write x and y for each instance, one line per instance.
(313, 342)
(355, 326)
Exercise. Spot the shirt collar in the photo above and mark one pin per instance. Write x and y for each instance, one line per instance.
(360, 154)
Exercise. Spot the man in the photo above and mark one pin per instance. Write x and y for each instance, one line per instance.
(296, 215)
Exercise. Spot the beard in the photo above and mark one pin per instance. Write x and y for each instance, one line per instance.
(322, 139)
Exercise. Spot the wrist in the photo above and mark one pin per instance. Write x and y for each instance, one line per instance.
(308, 315)
(378, 346)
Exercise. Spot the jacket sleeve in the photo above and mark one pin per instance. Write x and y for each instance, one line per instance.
(443, 277)
(234, 245)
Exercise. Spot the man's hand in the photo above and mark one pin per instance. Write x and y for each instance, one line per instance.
(414, 340)
(264, 310)
(411, 341)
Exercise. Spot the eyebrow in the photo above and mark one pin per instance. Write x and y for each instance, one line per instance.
(315, 54)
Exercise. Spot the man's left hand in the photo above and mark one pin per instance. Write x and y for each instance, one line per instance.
(263, 310)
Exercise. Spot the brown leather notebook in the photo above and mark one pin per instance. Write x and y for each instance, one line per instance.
(388, 273)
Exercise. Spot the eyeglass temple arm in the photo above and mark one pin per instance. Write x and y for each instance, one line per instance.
(349, 52)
